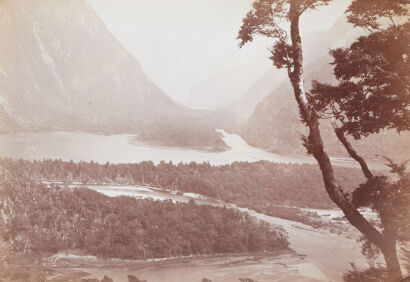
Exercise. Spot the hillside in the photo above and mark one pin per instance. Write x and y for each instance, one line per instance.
(61, 69)
(245, 106)
(316, 45)
(275, 124)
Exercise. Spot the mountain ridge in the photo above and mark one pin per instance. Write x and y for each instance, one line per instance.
(61, 69)
(316, 45)
(275, 124)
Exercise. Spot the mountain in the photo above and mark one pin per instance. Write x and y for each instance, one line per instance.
(59, 62)
(275, 124)
(61, 69)
(315, 45)
(245, 106)
(224, 87)
(270, 114)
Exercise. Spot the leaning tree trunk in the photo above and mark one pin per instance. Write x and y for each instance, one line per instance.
(352, 152)
(388, 249)
(389, 252)
(314, 145)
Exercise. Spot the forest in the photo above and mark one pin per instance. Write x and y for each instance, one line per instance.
(257, 185)
(45, 220)
(187, 136)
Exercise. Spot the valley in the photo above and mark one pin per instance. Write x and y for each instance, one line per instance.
(204, 141)
(314, 234)
(312, 260)
(79, 146)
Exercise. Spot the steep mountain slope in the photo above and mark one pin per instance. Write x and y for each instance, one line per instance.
(315, 45)
(275, 125)
(245, 106)
(59, 62)
(60, 69)
(274, 122)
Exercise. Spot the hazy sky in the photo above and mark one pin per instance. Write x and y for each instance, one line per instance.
(181, 42)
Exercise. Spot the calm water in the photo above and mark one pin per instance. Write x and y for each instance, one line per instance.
(79, 146)
(146, 192)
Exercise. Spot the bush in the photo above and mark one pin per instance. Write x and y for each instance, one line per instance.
(132, 278)
(371, 274)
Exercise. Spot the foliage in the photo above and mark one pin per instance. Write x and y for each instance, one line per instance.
(23, 275)
(373, 92)
(369, 14)
(19, 268)
(41, 219)
(183, 134)
(371, 274)
(258, 184)
(267, 19)
(390, 199)
(370, 250)
(278, 130)
(271, 18)
(291, 213)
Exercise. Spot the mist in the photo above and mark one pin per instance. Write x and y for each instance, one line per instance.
(181, 43)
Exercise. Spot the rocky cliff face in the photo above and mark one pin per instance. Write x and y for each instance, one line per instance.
(61, 68)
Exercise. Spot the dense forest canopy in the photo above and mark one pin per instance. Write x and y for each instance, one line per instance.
(41, 219)
(254, 185)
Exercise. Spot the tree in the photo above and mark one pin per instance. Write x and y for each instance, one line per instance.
(279, 20)
(373, 75)
(373, 94)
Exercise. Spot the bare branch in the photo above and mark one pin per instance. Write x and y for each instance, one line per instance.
(352, 152)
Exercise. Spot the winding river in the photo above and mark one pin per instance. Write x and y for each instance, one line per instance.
(78, 146)
(327, 254)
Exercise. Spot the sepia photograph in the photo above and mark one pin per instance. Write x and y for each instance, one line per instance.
(205, 141)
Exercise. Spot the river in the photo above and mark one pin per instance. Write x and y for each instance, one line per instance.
(327, 254)
(79, 146)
